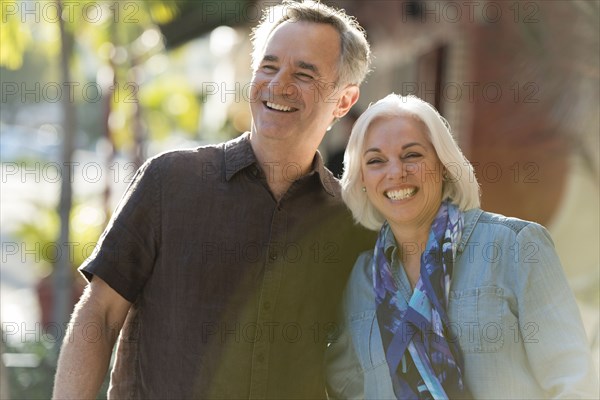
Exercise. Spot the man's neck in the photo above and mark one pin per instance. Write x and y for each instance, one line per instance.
(282, 163)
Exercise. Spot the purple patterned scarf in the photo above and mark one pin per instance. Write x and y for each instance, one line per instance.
(419, 333)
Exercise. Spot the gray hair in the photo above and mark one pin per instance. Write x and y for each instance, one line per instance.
(460, 184)
(355, 51)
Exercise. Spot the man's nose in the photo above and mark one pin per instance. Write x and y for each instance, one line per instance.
(282, 84)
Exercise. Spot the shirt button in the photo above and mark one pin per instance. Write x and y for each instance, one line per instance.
(273, 256)
(260, 358)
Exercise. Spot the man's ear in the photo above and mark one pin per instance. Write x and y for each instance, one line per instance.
(348, 98)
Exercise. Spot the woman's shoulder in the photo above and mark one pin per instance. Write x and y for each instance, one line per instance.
(359, 290)
(478, 218)
(488, 227)
(362, 270)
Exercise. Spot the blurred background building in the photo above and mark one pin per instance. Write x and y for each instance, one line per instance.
(518, 82)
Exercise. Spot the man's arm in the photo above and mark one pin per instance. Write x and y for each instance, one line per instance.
(87, 347)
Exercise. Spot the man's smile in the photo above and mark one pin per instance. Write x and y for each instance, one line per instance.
(279, 107)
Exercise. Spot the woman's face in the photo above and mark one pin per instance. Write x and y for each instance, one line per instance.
(401, 171)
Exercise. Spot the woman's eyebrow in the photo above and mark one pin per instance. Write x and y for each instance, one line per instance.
(372, 149)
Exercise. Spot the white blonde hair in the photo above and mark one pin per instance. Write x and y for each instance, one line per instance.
(460, 184)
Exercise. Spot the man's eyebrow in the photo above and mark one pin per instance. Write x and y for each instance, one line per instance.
(309, 66)
(268, 57)
(299, 64)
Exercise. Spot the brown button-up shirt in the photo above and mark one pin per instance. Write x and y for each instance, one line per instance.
(234, 293)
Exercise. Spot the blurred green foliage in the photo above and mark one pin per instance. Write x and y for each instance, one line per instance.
(115, 54)
(31, 382)
(40, 233)
(35, 381)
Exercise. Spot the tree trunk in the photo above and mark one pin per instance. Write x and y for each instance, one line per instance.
(62, 270)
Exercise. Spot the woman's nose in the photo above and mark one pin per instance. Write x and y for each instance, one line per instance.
(396, 170)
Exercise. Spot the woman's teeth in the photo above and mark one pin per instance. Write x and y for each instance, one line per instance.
(401, 194)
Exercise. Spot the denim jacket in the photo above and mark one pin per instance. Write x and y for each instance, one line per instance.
(510, 309)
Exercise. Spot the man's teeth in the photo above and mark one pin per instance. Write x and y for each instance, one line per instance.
(401, 194)
(278, 107)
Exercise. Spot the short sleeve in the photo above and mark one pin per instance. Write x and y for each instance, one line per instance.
(125, 253)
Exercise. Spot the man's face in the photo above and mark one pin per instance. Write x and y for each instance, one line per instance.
(294, 95)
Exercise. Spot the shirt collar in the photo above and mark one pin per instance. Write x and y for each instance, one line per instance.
(470, 220)
(328, 181)
(239, 155)
(390, 248)
(390, 242)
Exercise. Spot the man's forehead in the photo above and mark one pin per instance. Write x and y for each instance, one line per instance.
(306, 28)
(295, 35)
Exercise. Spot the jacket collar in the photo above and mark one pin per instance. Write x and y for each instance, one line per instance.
(470, 220)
